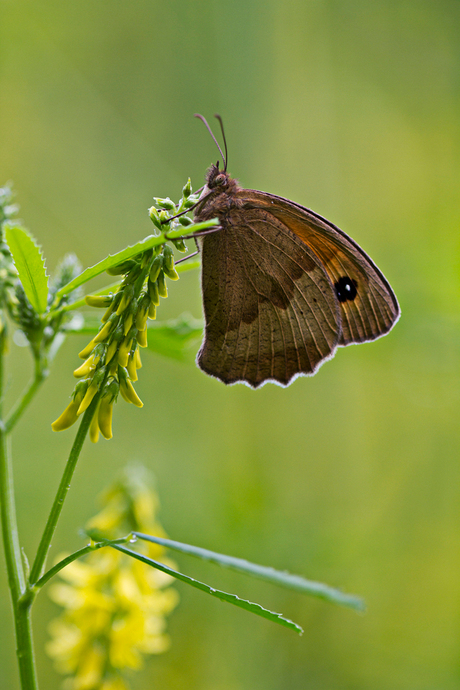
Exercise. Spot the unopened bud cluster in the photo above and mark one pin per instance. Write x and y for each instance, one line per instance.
(112, 358)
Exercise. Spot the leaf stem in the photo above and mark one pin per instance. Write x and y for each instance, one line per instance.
(64, 486)
(74, 556)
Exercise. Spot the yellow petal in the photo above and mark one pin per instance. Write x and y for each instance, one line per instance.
(105, 417)
(67, 418)
(142, 338)
(86, 402)
(85, 353)
(128, 392)
(94, 429)
(85, 368)
(132, 368)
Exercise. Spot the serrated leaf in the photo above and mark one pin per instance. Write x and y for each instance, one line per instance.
(257, 609)
(129, 253)
(300, 584)
(30, 265)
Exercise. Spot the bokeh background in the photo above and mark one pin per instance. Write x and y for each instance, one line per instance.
(350, 477)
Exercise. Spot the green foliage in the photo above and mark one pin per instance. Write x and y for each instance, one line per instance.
(223, 596)
(295, 582)
(30, 265)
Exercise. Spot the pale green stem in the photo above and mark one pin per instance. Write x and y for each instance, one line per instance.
(74, 556)
(64, 486)
(13, 557)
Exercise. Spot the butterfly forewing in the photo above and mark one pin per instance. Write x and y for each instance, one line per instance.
(368, 305)
(271, 311)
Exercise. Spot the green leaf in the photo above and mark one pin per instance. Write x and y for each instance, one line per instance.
(177, 338)
(182, 267)
(300, 584)
(223, 596)
(129, 253)
(30, 265)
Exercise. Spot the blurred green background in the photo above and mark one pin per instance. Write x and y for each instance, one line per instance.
(350, 477)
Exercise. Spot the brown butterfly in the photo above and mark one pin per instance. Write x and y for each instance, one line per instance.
(282, 286)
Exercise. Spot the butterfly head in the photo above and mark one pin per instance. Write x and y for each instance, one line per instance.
(216, 178)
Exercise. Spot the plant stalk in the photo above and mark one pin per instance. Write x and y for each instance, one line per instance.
(13, 556)
(64, 486)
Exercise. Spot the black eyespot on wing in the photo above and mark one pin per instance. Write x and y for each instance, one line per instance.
(346, 289)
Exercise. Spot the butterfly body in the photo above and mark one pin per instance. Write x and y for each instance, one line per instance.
(282, 287)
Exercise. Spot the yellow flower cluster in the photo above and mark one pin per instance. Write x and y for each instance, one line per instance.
(112, 357)
(115, 606)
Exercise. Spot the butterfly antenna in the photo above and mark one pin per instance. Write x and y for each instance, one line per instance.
(223, 137)
(200, 117)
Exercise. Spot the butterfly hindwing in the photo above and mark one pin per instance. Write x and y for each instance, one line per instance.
(271, 311)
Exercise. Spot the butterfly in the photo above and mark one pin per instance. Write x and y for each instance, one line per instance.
(282, 287)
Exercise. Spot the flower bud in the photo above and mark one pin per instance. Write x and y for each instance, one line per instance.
(161, 282)
(106, 328)
(156, 268)
(185, 221)
(86, 368)
(146, 257)
(98, 300)
(111, 350)
(142, 312)
(128, 392)
(121, 268)
(123, 352)
(180, 245)
(164, 217)
(104, 418)
(168, 257)
(67, 418)
(171, 273)
(128, 294)
(94, 427)
(155, 218)
(87, 400)
(153, 293)
(187, 189)
(132, 371)
(166, 204)
(142, 338)
(85, 353)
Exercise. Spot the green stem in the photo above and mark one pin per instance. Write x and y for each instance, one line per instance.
(18, 409)
(74, 556)
(13, 557)
(64, 486)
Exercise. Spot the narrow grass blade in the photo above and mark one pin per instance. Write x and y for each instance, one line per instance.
(223, 596)
(296, 582)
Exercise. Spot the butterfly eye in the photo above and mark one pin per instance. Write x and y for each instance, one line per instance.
(219, 179)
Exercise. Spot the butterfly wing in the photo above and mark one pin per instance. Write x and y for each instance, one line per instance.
(368, 305)
(271, 311)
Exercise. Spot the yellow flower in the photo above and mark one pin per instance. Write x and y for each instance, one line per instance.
(128, 393)
(86, 368)
(114, 606)
(70, 414)
(142, 337)
(67, 418)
